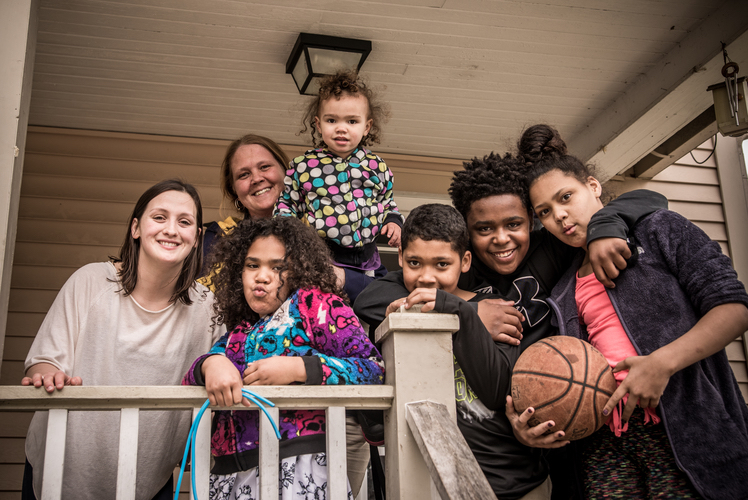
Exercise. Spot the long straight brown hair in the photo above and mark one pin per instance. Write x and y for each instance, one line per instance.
(130, 251)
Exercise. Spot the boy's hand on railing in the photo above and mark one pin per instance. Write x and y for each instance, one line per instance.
(536, 436)
(395, 306)
(47, 375)
(425, 296)
(223, 382)
(278, 370)
(502, 320)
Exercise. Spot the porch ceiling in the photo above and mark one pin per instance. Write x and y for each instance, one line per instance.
(463, 77)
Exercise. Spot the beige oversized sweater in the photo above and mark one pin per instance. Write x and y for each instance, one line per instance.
(96, 332)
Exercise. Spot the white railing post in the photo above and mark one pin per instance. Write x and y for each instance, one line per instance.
(201, 466)
(54, 456)
(337, 478)
(269, 456)
(417, 351)
(127, 465)
(334, 399)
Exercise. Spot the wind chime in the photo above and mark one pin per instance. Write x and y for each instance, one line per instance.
(730, 99)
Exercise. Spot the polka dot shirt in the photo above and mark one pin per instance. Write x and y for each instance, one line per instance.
(346, 201)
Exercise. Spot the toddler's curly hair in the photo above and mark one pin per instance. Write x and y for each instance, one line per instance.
(346, 82)
(307, 264)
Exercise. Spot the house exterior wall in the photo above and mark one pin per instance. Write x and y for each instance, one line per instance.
(79, 188)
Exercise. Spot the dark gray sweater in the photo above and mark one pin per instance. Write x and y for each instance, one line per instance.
(679, 275)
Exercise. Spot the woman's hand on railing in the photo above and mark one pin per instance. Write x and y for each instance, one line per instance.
(49, 376)
(223, 382)
(536, 436)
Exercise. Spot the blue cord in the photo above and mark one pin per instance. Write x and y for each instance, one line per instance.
(192, 436)
(190, 439)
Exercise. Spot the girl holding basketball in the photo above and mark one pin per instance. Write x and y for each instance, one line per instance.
(679, 426)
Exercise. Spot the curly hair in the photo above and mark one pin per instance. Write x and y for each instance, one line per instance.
(307, 264)
(346, 82)
(493, 175)
(542, 150)
(436, 222)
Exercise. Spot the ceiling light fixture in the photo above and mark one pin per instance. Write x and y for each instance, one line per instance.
(314, 56)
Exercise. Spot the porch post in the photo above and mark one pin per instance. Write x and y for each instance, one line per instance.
(417, 352)
(733, 186)
(18, 22)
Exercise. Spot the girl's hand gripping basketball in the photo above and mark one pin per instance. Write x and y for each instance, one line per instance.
(534, 437)
(645, 383)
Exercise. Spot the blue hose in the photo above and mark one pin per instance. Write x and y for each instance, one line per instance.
(191, 437)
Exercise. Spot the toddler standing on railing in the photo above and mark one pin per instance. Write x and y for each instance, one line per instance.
(341, 189)
(277, 294)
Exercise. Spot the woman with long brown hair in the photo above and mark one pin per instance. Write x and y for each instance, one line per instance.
(137, 320)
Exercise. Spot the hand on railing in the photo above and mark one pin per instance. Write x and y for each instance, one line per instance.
(223, 382)
(419, 300)
(49, 376)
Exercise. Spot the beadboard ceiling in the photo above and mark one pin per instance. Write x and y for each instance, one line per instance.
(463, 77)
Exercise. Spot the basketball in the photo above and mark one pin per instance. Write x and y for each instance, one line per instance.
(566, 380)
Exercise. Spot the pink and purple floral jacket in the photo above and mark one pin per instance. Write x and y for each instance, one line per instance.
(322, 329)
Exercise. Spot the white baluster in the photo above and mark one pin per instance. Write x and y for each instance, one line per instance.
(127, 464)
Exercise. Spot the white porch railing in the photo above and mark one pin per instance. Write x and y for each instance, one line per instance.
(417, 349)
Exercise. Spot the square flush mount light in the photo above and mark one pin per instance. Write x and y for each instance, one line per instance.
(314, 56)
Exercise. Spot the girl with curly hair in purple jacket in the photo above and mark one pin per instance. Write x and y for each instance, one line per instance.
(287, 323)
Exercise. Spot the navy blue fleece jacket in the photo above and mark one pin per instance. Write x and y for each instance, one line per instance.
(679, 275)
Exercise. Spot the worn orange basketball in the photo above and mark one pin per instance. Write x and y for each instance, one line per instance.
(566, 380)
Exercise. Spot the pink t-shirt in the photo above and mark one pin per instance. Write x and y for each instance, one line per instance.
(607, 335)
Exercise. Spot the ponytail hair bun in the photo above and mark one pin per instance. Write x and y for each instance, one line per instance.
(541, 142)
(542, 150)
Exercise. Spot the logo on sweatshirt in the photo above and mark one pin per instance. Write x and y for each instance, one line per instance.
(533, 308)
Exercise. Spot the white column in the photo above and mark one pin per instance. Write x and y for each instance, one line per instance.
(18, 19)
(417, 352)
(734, 188)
